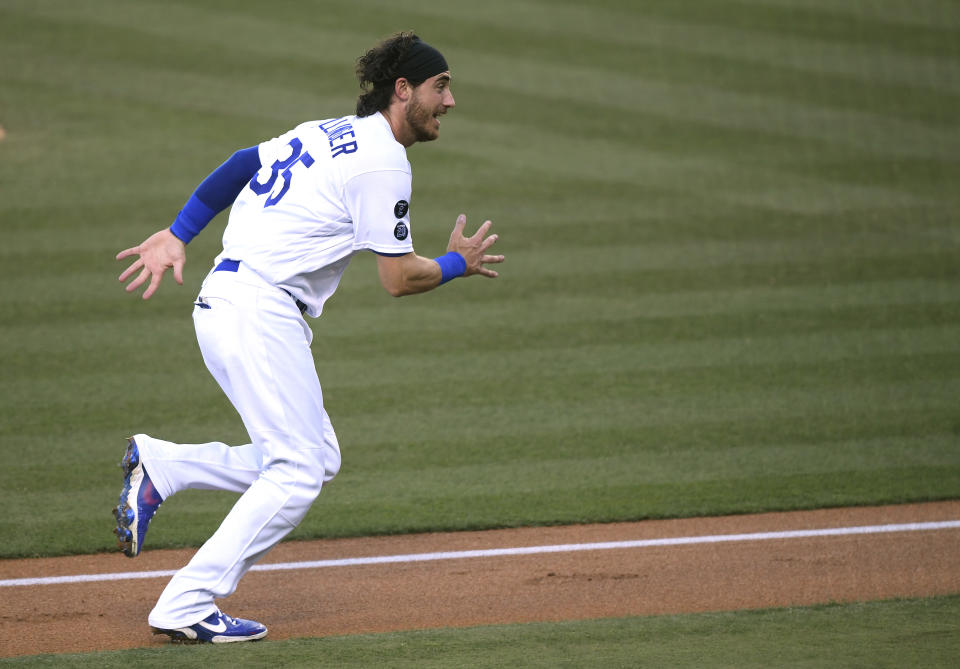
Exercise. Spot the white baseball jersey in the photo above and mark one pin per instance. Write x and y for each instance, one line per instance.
(326, 189)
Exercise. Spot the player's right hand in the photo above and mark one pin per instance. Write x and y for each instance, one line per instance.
(158, 253)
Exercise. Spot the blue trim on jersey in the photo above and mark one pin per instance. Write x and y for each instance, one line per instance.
(216, 193)
(452, 265)
(392, 255)
(192, 219)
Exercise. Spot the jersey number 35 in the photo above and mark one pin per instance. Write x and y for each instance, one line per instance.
(297, 155)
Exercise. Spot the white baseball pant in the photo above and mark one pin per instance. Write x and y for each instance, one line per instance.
(256, 344)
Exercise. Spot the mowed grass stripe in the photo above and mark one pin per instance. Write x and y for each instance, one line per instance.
(174, 90)
(695, 397)
(852, 285)
(708, 24)
(658, 441)
(199, 28)
(754, 378)
(157, 169)
(708, 324)
(681, 465)
(643, 46)
(763, 312)
(932, 14)
(652, 124)
(544, 489)
(663, 232)
(533, 399)
(805, 21)
(618, 382)
(681, 170)
(370, 452)
(610, 374)
(811, 37)
(706, 103)
(725, 355)
(848, 274)
(212, 92)
(449, 494)
(379, 499)
(648, 94)
(568, 504)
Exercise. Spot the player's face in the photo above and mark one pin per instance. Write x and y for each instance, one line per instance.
(430, 100)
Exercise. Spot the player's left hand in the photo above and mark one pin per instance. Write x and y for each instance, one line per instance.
(158, 253)
(474, 249)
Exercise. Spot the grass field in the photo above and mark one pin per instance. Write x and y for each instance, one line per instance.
(732, 279)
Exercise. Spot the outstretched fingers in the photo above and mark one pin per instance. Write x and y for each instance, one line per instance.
(127, 273)
(133, 250)
(481, 232)
(488, 242)
(486, 271)
(136, 283)
(488, 259)
(154, 256)
(154, 284)
(474, 248)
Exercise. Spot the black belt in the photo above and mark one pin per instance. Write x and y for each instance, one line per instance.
(227, 265)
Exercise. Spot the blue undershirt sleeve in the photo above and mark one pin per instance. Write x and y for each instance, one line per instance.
(216, 193)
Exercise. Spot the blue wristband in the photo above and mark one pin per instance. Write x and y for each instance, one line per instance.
(452, 265)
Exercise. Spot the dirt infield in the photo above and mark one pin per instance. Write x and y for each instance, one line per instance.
(697, 576)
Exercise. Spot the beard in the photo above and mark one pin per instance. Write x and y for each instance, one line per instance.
(421, 120)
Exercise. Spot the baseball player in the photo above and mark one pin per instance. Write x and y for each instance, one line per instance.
(302, 205)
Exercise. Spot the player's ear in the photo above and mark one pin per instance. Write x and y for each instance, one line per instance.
(402, 89)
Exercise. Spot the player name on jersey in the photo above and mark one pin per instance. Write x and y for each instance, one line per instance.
(336, 130)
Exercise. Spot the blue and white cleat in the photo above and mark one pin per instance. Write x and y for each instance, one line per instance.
(138, 502)
(218, 627)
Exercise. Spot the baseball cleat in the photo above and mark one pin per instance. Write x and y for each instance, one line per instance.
(138, 502)
(218, 627)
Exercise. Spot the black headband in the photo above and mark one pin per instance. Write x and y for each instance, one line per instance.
(421, 62)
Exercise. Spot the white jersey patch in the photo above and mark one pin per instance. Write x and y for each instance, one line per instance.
(327, 189)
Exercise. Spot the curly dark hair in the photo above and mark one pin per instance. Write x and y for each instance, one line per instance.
(377, 68)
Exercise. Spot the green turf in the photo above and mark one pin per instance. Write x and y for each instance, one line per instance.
(732, 279)
(732, 284)
(904, 633)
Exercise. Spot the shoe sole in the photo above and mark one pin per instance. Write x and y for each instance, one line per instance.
(124, 513)
(178, 637)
